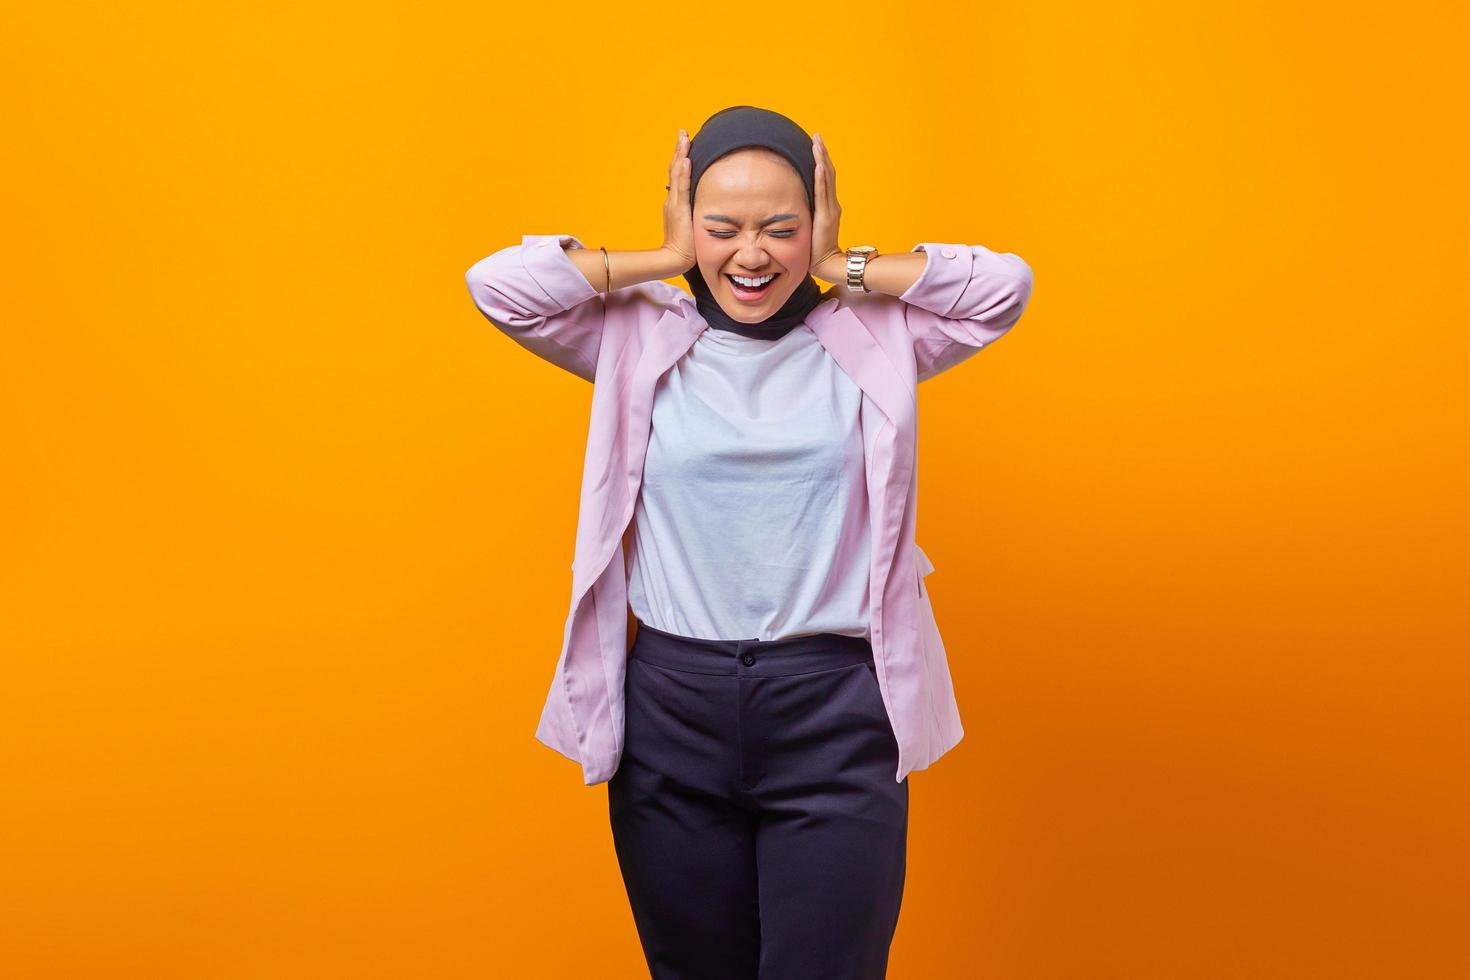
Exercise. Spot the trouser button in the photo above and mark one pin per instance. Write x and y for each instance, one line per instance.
(748, 659)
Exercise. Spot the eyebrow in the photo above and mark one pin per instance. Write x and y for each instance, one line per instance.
(786, 216)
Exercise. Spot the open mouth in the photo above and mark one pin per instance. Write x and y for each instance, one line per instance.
(746, 293)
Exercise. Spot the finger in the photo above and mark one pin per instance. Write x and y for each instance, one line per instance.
(824, 172)
(676, 164)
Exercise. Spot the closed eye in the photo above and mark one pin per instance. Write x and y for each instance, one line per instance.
(731, 234)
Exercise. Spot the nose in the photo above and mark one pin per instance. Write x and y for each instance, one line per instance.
(751, 256)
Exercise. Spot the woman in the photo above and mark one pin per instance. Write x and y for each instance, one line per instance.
(751, 461)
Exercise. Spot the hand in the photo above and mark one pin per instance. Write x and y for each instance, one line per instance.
(678, 209)
(825, 249)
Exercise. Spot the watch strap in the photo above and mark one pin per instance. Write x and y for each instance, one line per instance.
(857, 265)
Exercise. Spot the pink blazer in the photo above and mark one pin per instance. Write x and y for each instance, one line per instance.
(966, 298)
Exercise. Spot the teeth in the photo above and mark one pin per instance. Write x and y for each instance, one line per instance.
(752, 282)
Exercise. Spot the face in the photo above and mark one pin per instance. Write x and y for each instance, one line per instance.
(734, 235)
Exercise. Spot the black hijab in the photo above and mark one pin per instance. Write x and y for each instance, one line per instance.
(731, 129)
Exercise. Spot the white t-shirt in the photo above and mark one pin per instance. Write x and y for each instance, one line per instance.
(753, 475)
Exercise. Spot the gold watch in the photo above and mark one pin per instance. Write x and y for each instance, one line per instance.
(857, 263)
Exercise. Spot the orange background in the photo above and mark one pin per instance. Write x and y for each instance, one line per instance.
(288, 523)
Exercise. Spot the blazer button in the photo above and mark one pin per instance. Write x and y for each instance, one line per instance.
(947, 252)
(748, 659)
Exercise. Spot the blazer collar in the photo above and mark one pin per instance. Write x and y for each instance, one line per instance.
(846, 338)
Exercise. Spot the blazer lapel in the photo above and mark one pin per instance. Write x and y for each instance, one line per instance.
(668, 340)
(861, 358)
(852, 345)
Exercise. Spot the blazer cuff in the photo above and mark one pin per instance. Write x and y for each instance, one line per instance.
(944, 279)
(547, 264)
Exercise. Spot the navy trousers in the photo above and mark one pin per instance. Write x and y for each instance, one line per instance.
(758, 827)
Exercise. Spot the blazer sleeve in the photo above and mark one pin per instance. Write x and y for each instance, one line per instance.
(536, 296)
(966, 298)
